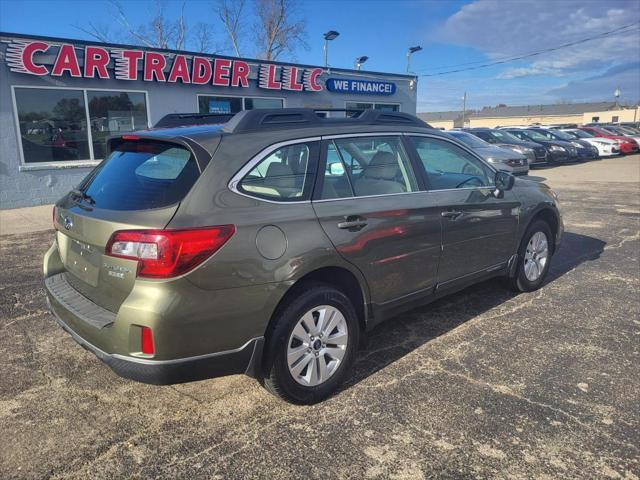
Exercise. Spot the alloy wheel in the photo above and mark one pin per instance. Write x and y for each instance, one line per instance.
(317, 345)
(536, 256)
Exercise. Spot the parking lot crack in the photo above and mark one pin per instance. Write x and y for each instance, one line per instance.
(505, 390)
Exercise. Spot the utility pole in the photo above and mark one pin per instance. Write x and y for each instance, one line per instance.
(464, 108)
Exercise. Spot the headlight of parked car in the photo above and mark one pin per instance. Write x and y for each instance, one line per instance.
(557, 148)
(576, 144)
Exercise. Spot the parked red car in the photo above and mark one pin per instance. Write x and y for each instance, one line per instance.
(627, 145)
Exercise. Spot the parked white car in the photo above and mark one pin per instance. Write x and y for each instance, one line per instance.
(606, 146)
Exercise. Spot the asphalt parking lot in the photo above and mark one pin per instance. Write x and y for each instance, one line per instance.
(483, 384)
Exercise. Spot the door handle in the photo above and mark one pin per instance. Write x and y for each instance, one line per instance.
(353, 222)
(452, 214)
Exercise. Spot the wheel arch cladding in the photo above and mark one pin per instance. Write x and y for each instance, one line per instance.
(550, 217)
(337, 277)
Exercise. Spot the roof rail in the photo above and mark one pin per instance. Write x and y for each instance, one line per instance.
(288, 118)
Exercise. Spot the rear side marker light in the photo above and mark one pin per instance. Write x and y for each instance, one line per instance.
(146, 336)
(168, 253)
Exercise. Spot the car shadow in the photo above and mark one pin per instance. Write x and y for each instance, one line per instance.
(535, 178)
(400, 335)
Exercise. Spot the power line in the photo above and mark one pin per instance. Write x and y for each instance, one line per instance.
(534, 51)
(617, 31)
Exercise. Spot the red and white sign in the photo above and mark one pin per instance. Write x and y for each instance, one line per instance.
(125, 64)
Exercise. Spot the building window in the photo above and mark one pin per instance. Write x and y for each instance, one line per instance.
(210, 104)
(113, 112)
(615, 119)
(387, 107)
(595, 119)
(53, 125)
(53, 121)
(253, 103)
(213, 104)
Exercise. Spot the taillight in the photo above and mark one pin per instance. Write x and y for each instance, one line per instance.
(146, 336)
(168, 253)
(55, 215)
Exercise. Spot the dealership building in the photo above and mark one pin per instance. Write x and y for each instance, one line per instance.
(60, 99)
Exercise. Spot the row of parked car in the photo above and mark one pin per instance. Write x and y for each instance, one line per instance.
(516, 149)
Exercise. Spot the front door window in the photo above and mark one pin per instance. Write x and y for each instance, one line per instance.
(449, 166)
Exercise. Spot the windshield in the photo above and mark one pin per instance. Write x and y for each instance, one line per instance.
(504, 136)
(469, 140)
(581, 134)
(535, 135)
(613, 130)
(561, 135)
(140, 175)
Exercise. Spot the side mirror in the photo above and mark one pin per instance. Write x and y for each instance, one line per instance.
(504, 181)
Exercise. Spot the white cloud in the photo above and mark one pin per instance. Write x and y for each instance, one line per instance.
(508, 28)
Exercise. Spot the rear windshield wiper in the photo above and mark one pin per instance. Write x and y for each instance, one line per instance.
(80, 194)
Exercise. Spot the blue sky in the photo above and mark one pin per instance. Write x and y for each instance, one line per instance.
(451, 33)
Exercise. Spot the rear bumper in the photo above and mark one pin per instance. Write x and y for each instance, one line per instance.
(243, 360)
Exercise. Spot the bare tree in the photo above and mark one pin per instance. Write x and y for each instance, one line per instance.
(276, 30)
(203, 42)
(100, 32)
(160, 32)
(230, 13)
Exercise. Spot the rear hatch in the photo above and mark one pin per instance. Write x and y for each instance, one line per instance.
(139, 186)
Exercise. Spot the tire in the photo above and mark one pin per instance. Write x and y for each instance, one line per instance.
(524, 279)
(295, 383)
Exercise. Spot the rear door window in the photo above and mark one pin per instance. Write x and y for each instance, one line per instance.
(141, 175)
(374, 166)
(285, 175)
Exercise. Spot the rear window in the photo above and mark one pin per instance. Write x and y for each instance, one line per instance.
(143, 175)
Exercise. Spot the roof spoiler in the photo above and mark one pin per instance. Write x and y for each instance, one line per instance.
(288, 118)
(187, 119)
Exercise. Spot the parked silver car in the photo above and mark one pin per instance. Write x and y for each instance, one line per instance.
(503, 159)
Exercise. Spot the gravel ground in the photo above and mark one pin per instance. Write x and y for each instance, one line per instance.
(483, 384)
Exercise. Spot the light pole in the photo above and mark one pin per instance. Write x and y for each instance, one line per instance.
(330, 35)
(410, 52)
(360, 61)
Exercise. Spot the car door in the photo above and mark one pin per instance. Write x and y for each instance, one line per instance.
(370, 204)
(478, 229)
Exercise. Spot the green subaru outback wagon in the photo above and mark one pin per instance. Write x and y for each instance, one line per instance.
(270, 244)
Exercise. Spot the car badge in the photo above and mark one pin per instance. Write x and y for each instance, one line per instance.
(68, 223)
